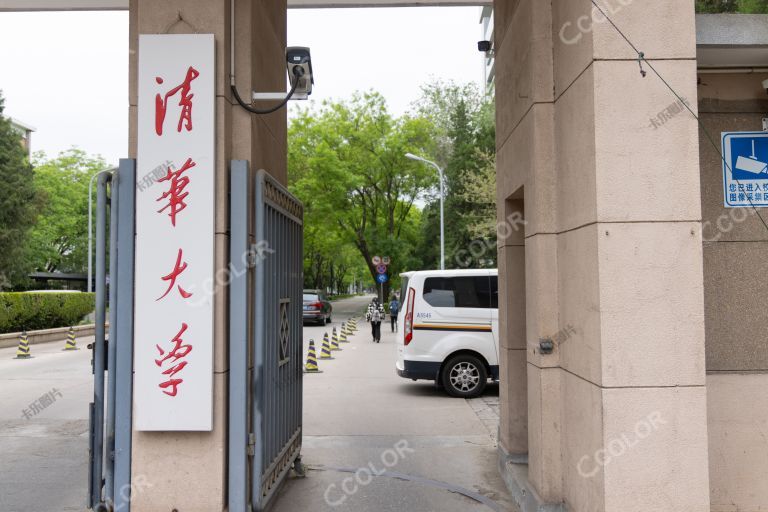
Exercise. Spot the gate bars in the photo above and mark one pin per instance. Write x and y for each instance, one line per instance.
(109, 447)
(265, 373)
(265, 381)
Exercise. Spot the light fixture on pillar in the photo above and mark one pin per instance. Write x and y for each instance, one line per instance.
(546, 345)
(487, 48)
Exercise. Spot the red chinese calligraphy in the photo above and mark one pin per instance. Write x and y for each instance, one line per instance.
(179, 351)
(177, 269)
(185, 102)
(175, 194)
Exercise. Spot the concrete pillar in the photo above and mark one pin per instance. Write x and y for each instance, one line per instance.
(187, 471)
(513, 428)
(617, 413)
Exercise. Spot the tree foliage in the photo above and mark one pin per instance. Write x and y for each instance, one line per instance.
(17, 204)
(464, 120)
(347, 163)
(59, 240)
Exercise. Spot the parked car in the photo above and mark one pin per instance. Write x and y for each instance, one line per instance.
(317, 307)
(449, 329)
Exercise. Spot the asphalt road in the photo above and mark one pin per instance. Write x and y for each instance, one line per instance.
(44, 428)
(357, 414)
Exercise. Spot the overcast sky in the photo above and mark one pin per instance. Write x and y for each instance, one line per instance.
(66, 73)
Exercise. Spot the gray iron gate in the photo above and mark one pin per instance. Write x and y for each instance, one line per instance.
(265, 382)
(265, 378)
(109, 476)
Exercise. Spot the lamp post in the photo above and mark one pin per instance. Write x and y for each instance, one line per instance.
(90, 228)
(442, 199)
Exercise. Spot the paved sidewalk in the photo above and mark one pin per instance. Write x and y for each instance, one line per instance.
(376, 442)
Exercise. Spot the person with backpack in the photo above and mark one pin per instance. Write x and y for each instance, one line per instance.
(394, 309)
(375, 315)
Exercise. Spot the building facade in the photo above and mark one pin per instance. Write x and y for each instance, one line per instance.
(25, 134)
(634, 346)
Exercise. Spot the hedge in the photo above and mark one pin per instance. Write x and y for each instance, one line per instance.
(33, 311)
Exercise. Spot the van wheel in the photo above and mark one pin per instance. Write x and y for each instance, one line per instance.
(464, 376)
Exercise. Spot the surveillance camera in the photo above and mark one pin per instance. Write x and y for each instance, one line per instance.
(300, 69)
(484, 46)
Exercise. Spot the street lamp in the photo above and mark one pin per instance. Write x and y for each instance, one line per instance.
(442, 199)
(90, 228)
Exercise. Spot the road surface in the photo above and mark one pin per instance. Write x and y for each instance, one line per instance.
(356, 413)
(360, 416)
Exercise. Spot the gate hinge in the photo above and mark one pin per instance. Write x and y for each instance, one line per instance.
(251, 444)
(258, 253)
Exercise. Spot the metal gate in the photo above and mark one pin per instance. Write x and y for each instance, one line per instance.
(109, 475)
(265, 377)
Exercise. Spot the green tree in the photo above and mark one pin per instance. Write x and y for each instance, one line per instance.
(464, 119)
(17, 198)
(347, 163)
(59, 239)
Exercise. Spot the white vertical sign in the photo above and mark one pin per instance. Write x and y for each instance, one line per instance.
(173, 331)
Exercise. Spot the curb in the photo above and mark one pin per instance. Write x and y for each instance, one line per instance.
(514, 472)
(11, 339)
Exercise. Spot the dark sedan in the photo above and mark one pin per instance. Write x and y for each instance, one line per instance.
(317, 307)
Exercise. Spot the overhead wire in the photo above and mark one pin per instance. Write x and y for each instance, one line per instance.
(641, 59)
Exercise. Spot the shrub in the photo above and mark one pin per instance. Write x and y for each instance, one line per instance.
(33, 311)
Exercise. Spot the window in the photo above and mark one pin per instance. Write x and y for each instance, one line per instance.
(458, 292)
(311, 297)
(403, 288)
(495, 292)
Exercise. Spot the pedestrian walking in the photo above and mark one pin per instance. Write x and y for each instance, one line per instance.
(375, 315)
(394, 309)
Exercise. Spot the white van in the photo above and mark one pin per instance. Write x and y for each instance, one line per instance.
(449, 329)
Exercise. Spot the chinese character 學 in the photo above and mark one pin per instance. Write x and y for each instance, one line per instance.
(177, 269)
(185, 102)
(176, 194)
(179, 351)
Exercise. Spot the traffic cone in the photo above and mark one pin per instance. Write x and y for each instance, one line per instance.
(311, 366)
(343, 337)
(23, 351)
(325, 350)
(335, 341)
(71, 342)
(344, 329)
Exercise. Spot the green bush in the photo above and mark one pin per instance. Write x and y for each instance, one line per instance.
(33, 311)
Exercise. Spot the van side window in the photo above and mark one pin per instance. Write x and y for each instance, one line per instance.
(457, 292)
(494, 292)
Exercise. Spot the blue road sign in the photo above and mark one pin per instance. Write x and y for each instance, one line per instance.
(745, 169)
(382, 278)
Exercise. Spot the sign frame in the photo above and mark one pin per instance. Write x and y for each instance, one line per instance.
(735, 186)
(175, 233)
